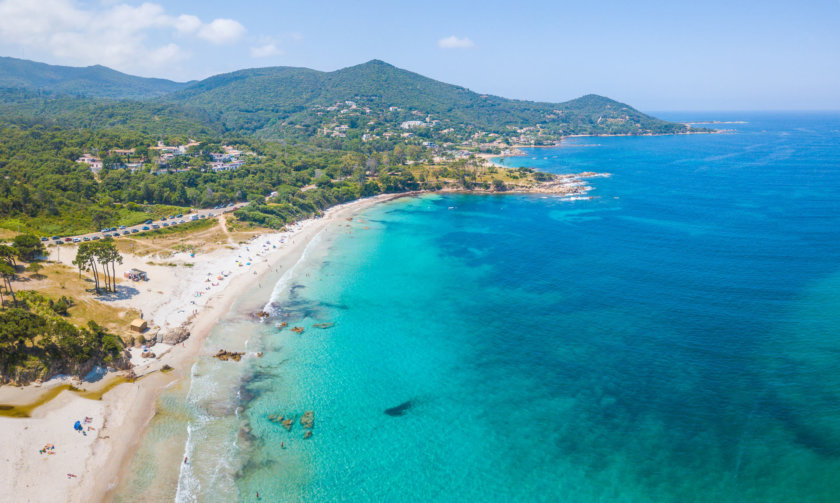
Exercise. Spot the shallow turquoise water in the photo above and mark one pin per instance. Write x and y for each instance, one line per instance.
(674, 339)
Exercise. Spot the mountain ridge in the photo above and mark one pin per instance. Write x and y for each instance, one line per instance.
(92, 81)
(298, 102)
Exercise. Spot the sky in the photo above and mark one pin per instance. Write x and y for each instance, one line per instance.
(654, 55)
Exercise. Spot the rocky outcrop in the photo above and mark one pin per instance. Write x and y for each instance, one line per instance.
(307, 420)
(298, 330)
(174, 336)
(288, 423)
(225, 355)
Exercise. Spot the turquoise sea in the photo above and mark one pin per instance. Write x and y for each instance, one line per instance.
(674, 339)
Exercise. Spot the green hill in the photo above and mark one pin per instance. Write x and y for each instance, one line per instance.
(273, 101)
(341, 109)
(93, 81)
(23, 106)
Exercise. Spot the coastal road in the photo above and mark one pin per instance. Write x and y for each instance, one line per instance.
(127, 231)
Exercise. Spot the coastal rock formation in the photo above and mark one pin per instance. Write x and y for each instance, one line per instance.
(288, 423)
(175, 336)
(307, 420)
(323, 325)
(307, 434)
(228, 355)
(298, 330)
(282, 325)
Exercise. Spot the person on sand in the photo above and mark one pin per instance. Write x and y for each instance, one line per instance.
(185, 459)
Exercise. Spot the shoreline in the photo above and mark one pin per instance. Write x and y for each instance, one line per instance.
(121, 416)
(122, 412)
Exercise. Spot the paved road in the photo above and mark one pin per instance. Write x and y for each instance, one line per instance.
(186, 217)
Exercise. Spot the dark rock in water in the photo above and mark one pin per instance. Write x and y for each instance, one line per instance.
(399, 410)
(288, 423)
(322, 325)
(307, 420)
(307, 434)
(228, 355)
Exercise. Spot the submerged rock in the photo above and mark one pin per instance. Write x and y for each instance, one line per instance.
(399, 410)
(307, 420)
(298, 330)
(323, 325)
(288, 423)
(307, 434)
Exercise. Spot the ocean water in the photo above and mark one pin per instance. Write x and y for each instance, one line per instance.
(676, 338)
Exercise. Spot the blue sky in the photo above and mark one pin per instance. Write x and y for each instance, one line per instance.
(655, 55)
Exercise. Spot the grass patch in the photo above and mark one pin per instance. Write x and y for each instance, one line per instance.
(63, 280)
(196, 225)
(81, 223)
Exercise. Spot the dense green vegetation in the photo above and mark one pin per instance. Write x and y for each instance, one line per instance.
(43, 190)
(36, 341)
(28, 107)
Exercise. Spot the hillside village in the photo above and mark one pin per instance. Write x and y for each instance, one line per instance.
(163, 159)
(347, 120)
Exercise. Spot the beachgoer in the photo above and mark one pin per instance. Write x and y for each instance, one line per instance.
(185, 459)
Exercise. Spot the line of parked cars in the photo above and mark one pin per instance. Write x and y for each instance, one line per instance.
(148, 225)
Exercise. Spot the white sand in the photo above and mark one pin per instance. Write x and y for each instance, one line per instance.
(170, 297)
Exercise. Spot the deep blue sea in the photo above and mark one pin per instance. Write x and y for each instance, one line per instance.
(674, 339)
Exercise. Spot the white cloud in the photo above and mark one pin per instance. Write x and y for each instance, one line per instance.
(221, 31)
(266, 50)
(114, 34)
(454, 42)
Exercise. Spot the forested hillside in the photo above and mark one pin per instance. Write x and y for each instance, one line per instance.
(278, 101)
(91, 81)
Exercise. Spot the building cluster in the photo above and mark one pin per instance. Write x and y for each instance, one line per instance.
(227, 160)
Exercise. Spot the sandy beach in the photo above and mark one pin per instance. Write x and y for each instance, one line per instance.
(87, 466)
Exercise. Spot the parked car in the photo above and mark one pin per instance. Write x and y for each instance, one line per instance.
(43, 239)
(148, 221)
(76, 240)
(194, 217)
(165, 224)
(85, 238)
(95, 238)
(145, 227)
(155, 226)
(126, 233)
(179, 215)
(134, 231)
(122, 227)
